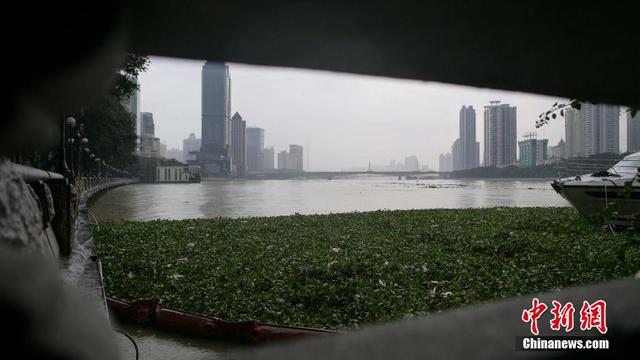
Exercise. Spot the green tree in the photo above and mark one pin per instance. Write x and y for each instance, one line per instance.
(109, 126)
(111, 131)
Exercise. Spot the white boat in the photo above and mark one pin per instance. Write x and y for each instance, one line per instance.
(616, 189)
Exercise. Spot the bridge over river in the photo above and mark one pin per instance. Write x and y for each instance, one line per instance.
(341, 174)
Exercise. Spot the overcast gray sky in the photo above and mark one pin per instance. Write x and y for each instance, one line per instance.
(348, 120)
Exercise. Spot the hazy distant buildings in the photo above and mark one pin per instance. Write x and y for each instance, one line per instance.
(162, 149)
(282, 160)
(445, 162)
(268, 157)
(500, 139)
(149, 143)
(594, 129)
(214, 156)
(532, 151)
(456, 155)
(291, 160)
(255, 147)
(558, 151)
(296, 157)
(411, 163)
(190, 147)
(238, 144)
(633, 132)
(175, 154)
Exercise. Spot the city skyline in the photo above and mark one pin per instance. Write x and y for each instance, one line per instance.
(350, 119)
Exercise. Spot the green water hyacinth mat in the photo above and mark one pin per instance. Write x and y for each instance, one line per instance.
(343, 270)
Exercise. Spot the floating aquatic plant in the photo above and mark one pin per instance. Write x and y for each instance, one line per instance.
(344, 270)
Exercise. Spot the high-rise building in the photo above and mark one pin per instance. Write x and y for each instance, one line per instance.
(573, 132)
(600, 128)
(469, 156)
(149, 143)
(594, 129)
(296, 157)
(291, 160)
(190, 147)
(533, 151)
(500, 139)
(411, 163)
(268, 158)
(559, 151)
(633, 132)
(457, 155)
(255, 147)
(238, 144)
(214, 156)
(283, 160)
(132, 104)
(147, 126)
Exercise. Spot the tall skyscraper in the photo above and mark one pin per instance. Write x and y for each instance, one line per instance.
(238, 144)
(457, 155)
(500, 139)
(147, 126)
(255, 147)
(190, 147)
(268, 158)
(600, 128)
(594, 129)
(132, 104)
(149, 144)
(573, 133)
(469, 157)
(214, 155)
(633, 132)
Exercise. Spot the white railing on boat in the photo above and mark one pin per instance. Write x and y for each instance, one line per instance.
(582, 166)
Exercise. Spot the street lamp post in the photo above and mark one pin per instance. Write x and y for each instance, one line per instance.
(62, 156)
(91, 167)
(85, 165)
(82, 146)
(70, 122)
(98, 167)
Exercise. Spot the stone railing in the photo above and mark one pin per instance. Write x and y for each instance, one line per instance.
(58, 199)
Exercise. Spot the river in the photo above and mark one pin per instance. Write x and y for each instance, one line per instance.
(244, 198)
